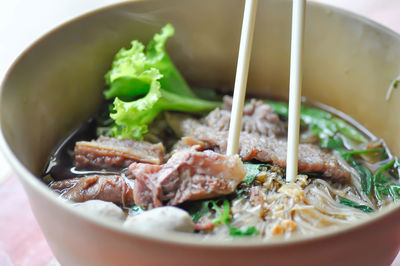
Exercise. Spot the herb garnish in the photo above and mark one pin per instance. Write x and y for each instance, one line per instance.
(364, 172)
(252, 170)
(204, 209)
(332, 143)
(384, 183)
(321, 123)
(223, 217)
(381, 182)
(350, 203)
(247, 231)
(359, 152)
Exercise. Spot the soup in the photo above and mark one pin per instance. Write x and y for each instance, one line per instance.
(156, 161)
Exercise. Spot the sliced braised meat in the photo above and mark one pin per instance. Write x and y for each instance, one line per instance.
(190, 143)
(188, 175)
(111, 188)
(113, 154)
(265, 149)
(258, 117)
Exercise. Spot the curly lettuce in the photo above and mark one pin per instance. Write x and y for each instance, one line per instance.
(130, 74)
(144, 82)
(133, 117)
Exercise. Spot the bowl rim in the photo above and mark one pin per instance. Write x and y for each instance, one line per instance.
(173, 237)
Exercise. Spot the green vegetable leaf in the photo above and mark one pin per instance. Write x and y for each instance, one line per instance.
(394, 190)
(381, 183)
(129, 76)
(133, 117)
(364, 172)
(332, 143)
(248, 231)
(252, 170)
(150, 73)
(350, 203)
(386, 167)
(322, 124)
(359, 152)
(279, 107)
(207, 94)
(172, 80)
(223, 217)
(327, 127)
(384, 183)
(204, 209)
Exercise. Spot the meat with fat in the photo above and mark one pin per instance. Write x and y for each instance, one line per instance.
(115, 154)
(264, 149)
(112, 188)
(258, 117)
(188, 175)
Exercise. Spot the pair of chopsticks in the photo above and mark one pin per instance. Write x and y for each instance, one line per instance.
(242, 71)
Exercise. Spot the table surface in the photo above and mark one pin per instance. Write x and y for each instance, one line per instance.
(21, 239)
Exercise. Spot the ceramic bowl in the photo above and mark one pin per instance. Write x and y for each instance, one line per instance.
(57, 83)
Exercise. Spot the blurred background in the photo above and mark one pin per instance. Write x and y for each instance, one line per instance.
(24, 21)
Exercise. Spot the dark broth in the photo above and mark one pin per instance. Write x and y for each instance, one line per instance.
(61, 163)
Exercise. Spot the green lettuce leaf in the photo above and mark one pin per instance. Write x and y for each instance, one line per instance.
(133, 117)
(145, 82)
(129, 75)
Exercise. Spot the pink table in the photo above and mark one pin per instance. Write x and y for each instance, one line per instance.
(21, 240)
